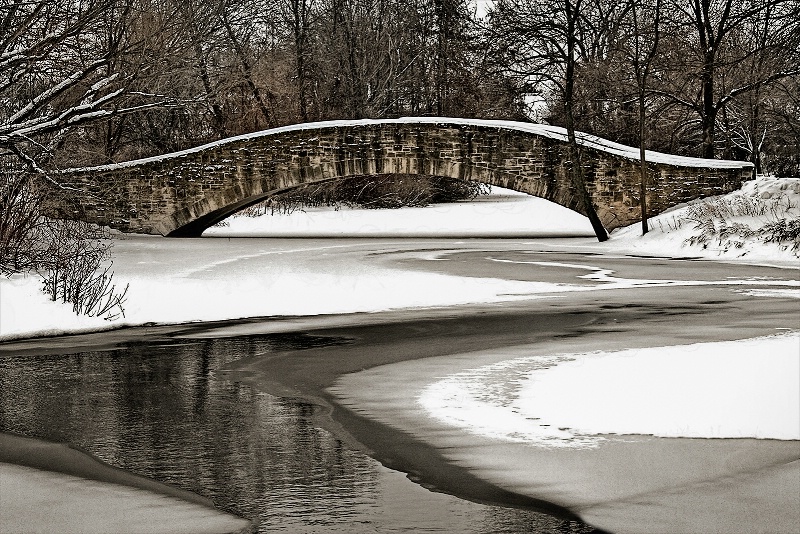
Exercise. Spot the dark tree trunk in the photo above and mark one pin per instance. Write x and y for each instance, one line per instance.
(247, 72)
(576, 167)
(642, 164)
(709, 113)
(300, 31)
(205, 79)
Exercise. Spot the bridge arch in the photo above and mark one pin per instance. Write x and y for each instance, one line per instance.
(187, 224)
(184, 193)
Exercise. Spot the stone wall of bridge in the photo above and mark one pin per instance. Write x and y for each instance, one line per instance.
(184, 193)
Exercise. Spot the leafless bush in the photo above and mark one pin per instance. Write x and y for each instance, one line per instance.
(740, 206)
(783, 231)
(21, 227)
(72, 257)
(77, 269)
(778, 216)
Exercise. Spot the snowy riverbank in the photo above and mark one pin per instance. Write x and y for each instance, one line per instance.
(50, 487)
(728, 228)
(173, 281)
(353, 268)
(755, 394)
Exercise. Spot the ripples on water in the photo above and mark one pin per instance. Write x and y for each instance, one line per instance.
(161, 410)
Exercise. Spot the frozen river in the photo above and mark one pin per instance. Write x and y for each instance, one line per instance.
(466, 364)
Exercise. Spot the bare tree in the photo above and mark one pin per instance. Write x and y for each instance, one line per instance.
(782, 146)
(238, 23)
(55, 72)
(299, 15)
(56, 75)
(721, 39)
(747, 124)
(541, 42)
(645, 26)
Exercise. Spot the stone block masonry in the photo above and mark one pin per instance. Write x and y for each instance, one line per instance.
(184, 193)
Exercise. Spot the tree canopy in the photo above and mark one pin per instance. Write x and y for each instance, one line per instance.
(99, 81)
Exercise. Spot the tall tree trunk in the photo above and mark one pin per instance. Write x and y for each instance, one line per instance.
(642, 71)
(211, 97)
(576, 167)
(642, 163)
(443, 28)
(247, 72)
(709, 114)
(300, 31)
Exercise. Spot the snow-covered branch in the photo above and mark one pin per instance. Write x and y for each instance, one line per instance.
(65, 65)
(756, 84)
(34, 167)
(49, 94)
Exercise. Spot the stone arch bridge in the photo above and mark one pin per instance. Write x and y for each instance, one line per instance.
(183, 193)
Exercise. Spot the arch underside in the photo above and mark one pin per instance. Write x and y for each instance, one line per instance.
(193, 221)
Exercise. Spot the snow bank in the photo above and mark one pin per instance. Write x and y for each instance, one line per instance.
(82, 506)
(719, 227)
(175, 281)
(26, 311)
(735, 389)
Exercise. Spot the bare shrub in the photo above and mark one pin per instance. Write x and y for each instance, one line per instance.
(72, 257)
(712, 220)
(21, 226)
(706, 231)
(783, 231)
(77, 269)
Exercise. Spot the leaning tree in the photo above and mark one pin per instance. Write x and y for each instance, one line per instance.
(542, 43)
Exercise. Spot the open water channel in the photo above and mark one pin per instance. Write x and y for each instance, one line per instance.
(241, 415)
(164, 410)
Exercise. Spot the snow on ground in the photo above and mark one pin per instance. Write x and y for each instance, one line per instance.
(212, 279)
(26, 310)
(733, 389)
(82, 506)
(174, 281)
(671, 232)
(506, 213)
(503, 213)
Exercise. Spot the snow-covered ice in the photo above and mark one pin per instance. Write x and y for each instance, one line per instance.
(503, 213)
(746, 388)
(732, 389)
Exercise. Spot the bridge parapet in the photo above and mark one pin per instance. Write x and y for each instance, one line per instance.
(182, 194)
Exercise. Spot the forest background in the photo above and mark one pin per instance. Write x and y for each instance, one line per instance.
(86, 82)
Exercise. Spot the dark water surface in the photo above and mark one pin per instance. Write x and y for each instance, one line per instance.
(162, 410)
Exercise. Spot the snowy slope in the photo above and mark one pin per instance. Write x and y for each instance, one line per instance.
(686, 230)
